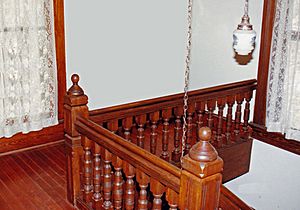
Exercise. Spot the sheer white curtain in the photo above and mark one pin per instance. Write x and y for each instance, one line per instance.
(283, 98)
(27, 66)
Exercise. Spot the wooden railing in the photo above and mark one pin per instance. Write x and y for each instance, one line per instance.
(116, 149)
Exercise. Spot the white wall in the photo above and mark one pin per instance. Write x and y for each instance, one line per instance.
(213, 61)
(130, 50)
(273, 180)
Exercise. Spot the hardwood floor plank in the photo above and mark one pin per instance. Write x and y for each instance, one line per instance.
(11, 179)
(34, 180)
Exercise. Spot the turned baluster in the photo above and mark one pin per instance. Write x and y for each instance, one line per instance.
(107, 179)
(97, 177)
(129, 171)
(248, 97)
(141, 121)
(211, 105)
(87, 173)
(118, 182)
(238, 114)
(143, 181)
(221, 104)
(166, 114)
(176, 154)
(154, 117)
(189, 132)
(200, 110)
(157, 190)
(127, 124)
(230, 103)
(172, 198)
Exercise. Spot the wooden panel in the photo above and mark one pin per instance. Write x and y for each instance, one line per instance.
(21, 141)
(236, 159)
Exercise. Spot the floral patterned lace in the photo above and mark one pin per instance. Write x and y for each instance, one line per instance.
(283, 98)
(27, 66)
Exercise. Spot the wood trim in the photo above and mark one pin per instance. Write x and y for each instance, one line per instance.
(154, 166)
(54, 133)
(20, 141)
(60, 53)
(263, 66)
(150, 105)
(259, 119)
(275, 139)
(229, 201)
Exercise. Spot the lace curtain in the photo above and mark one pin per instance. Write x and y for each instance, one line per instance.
(27, 66)
(283, 98)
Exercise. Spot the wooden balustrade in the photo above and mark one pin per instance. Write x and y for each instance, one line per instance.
(120, 162)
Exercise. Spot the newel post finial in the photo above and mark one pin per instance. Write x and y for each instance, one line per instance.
(75, 89)
(203, 151)
(201, 176)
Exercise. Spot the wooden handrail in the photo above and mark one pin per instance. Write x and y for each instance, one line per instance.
(149, 163)
(151, 105)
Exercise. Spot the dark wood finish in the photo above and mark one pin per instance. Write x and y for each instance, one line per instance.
(21, 141)
(75, 104)
(172, 198)
(259, 119)
(157, 189)
(157, 104)
(230, 103)
(129, 171)
(59, 27)
(141, 121)
(264, 59)
(34, 179)
(154, 117)
(238, 114)
(143, 181)
(229, 201)
(275, 139)
(176, 154)
(166, 114)
(236, 159)
(152, 165)
(107, 179)
(201, 176)
(97, 197)
(118, 182)
(54, 133)
(87, 169)
(195, 186)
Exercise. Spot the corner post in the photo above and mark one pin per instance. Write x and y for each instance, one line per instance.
(201, 176)
(75, 104)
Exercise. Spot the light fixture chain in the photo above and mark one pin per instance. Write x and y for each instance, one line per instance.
(246, 8)
(187, 76)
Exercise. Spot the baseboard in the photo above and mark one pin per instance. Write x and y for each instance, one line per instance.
(276, 139)
(32, 139)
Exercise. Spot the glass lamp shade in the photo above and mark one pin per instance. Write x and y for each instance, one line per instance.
(243, 41)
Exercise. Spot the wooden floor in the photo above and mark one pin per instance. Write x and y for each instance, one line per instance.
(34, 179)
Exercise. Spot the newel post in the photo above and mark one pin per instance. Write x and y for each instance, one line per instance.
(75, 104)
(201, 176)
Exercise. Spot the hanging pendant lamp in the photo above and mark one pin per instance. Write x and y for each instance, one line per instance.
(244, 36)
